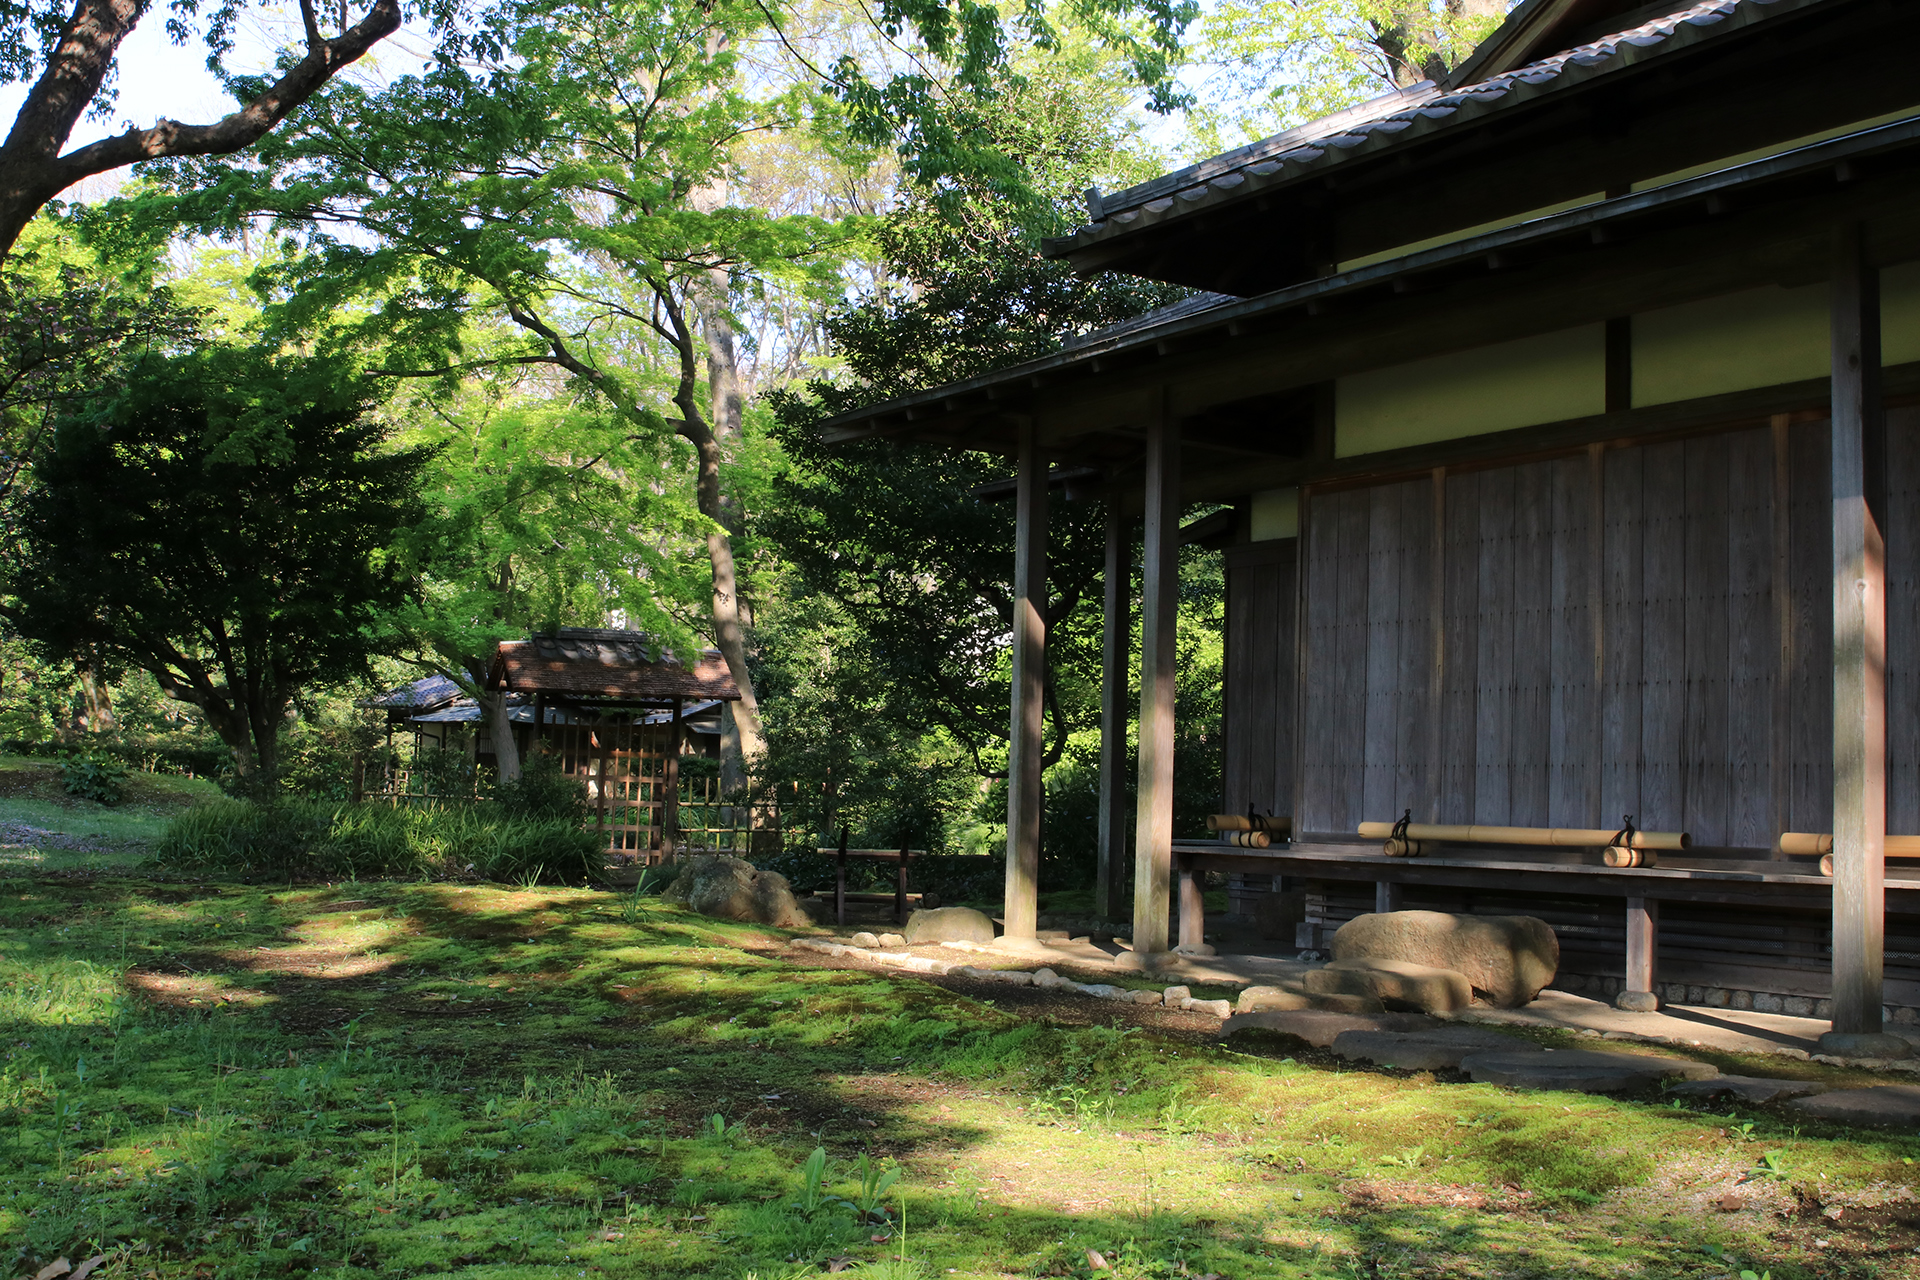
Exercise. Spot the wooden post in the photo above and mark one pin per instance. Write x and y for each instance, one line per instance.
(900, 888)
(1025, 746)
(1859, 655)
(1159, 611)
(1116, 633)
(1193, 912)
(840, 881)
(1386, 896)
(1643, 948)
(601, 736)
(670, 767)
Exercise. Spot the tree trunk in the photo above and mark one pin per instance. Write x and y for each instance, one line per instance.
(506, 751)
(96, 697)
(723, 386)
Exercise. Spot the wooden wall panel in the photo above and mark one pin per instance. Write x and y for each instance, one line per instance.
(1810, 571)
(1903, 621)
(1752, 660)
(1663, 697)
(1529, 742)
(1381, 743)
(1673, 721)
(1703, 738)
(1459, 686)
(1412, 674)
(1623, 633)
(1259, 676)
(1574, 736)
(1493, 652)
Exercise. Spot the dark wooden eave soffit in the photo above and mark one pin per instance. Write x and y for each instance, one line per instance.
(982, 412)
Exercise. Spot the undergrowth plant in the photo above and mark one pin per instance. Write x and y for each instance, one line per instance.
(300, 839)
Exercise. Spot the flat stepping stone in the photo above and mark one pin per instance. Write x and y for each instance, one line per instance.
(1882, 1105)
(1748, 1088)
(1320, 1027)
(1440, 1049)
(1580, 1070)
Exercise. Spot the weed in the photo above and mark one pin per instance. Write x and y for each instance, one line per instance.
(812, 1179)
(1773, 1164)
(875, 1182)
(1408, 1159)
(99, 778)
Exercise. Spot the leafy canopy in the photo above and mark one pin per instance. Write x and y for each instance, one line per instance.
(221, 523)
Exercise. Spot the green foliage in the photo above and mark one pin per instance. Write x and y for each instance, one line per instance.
(1276, 64)
(94, 776)
(813, 1175)
(221, 523)
(315, 840)
(544, 792)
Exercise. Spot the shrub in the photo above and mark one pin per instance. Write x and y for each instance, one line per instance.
(544, 791)
(308, 839)
(94, 776)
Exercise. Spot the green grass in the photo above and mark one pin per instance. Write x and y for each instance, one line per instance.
(119, 835)
(377, 1079)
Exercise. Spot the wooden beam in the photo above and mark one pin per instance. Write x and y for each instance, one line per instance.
(1859, 644)
(1643, 946)
(1025, 745)
(1386, 896)
(1109, 886)
(1160, 603)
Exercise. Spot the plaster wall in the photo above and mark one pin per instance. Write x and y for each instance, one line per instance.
(1760, 338)
(1273, 514)
(1545, 378)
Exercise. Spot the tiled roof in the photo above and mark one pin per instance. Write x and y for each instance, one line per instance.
(1400, 117)
(1202, 301)
(612, 665)
(432, 691)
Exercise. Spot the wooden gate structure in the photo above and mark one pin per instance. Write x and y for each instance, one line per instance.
(1566, 406)
(608, 703)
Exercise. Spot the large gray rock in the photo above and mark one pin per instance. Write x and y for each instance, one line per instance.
(1440, 1049)
(1581, 1070)
(948, 924)
(1395, 983)
(1507, 959)
(1884, 1105)
(1320, 1027)
(733, 889)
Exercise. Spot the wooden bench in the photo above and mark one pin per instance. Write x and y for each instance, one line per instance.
(901, 856)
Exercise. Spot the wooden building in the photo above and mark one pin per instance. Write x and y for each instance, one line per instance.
(1569, 413)
(611, 704)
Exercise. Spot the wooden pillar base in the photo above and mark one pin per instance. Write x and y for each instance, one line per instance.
(1643, 950)
(900, 889)
(1193, 914)
(1386, 897)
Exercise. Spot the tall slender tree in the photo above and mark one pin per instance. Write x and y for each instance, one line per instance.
(578, 188)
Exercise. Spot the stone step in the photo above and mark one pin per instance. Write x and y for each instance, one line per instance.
(1748, 1088)
(1580, 1070)
(1439, 1049)
(1881, 1105)
(1320, 1027)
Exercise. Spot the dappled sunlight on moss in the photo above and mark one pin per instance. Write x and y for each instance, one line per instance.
(524, 1081)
